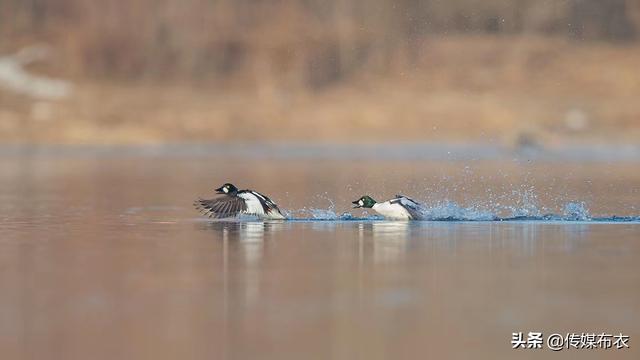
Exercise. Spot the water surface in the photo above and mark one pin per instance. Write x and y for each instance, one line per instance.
(103, 257)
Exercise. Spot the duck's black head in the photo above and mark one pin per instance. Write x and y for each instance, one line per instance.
(364, 202)
(228, 189)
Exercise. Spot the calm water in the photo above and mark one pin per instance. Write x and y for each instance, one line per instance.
(103, 257)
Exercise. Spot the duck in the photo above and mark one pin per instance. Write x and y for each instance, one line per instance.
(398, 208)
(236, 202)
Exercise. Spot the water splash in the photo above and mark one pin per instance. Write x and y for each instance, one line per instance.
(576, 211)
(325, 215)
(320, 214)
(451, 211)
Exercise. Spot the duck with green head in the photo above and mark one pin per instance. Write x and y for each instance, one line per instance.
(398, 208)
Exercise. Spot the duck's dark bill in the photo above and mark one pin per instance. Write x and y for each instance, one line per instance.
(356, 204)
(220, 190)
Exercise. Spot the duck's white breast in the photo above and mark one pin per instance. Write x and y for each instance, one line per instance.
(253, 203)
(392, 211)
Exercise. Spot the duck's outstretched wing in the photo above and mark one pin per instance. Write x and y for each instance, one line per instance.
(221, 207)
(413, 207)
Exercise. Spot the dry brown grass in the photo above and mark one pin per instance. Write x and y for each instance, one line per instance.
(461, 88)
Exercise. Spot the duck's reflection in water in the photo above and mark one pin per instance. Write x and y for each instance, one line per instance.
(246, 239)
(243, 245)
(389, 239)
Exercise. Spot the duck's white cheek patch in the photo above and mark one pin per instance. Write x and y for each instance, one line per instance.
(361, 203)
(225, 190)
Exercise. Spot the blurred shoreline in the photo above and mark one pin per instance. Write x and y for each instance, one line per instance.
(513, 90)
(408, 151)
